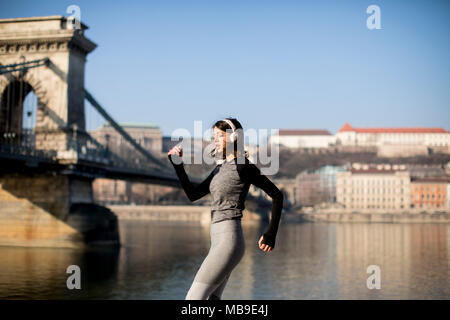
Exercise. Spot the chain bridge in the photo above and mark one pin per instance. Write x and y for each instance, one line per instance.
(48, 159)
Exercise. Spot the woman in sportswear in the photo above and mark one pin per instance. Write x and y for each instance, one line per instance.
(228, 184)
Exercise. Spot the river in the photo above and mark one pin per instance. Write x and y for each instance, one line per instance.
(158, 260)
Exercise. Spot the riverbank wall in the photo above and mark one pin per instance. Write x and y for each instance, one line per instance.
(195, 214)
(405, 217)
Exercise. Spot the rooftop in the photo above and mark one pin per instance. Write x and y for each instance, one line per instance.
(374, 171)
(303, 132)
(445, 179)
(377, 168)
(347, 127)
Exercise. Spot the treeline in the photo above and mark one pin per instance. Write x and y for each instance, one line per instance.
(292, 162)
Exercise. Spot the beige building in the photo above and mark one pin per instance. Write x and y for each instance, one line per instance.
(108, 191)
(371, 187)
(303, 138)
(388, 142)
(429, 137)
(148, 135)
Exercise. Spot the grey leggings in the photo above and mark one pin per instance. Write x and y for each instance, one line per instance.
(227, 249)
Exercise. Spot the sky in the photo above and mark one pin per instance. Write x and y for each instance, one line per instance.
(270, 64)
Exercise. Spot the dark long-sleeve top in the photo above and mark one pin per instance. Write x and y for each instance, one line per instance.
(228, 184)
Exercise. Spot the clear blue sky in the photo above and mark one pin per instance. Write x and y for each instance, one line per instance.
(271, 64)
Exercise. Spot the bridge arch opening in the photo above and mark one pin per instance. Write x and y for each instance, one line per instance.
(18, 113)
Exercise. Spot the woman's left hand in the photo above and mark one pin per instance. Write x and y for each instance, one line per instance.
(264, 247)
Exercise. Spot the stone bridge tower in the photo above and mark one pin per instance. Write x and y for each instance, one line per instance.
(41, 208)
(59, 86)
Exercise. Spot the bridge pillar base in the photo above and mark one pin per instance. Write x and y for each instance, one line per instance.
(53, 211)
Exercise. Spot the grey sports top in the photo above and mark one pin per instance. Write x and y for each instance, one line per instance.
(228, 184)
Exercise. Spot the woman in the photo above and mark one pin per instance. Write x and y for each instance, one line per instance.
(228, 184)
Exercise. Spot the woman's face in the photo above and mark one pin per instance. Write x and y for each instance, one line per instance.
(220, 139)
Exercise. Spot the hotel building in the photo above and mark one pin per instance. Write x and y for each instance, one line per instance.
(379, 186)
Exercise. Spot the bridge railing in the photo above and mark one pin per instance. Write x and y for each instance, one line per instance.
(81, 146)
(25, 150)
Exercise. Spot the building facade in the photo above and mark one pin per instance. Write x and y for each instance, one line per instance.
(429, 193)
(429, 137)
(373, 186)
(448, 195)
(303, 138)
(108, 191)
(317, 186)
(148, 135)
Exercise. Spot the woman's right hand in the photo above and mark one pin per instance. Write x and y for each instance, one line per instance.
(264, 247)
(177, 150)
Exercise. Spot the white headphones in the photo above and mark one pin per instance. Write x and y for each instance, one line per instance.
(234, 134)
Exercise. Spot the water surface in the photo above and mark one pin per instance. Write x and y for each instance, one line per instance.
(158, 260)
